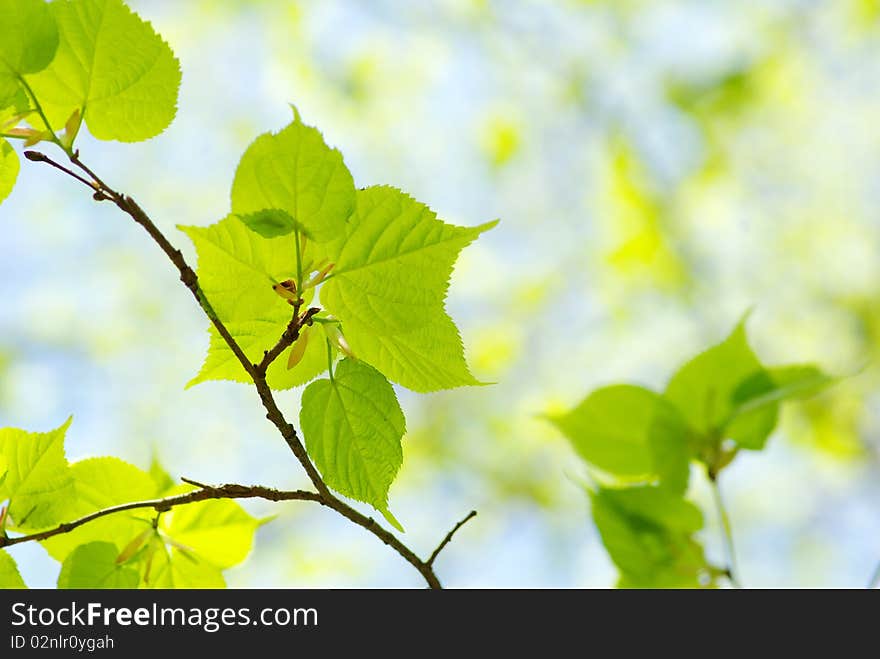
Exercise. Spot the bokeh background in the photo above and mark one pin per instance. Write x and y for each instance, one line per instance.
(659, 168)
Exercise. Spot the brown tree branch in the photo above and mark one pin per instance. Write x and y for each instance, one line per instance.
(229, 491)
(257, 372)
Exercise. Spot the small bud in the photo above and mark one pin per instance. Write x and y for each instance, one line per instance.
(299, 349)
(71, 128)
(337, 340)
(132, 547)
(287, 290)
(35, 156)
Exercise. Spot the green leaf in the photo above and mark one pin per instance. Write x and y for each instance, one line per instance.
(39, 483)
(426, 359)
(94, 566)
(100, 483)
(705, 389)
(9, 168)
(388, 288)
(176, 568)
(270, 223)
(393, 266)
(28, 41)
(10, 577)
(648, 534)
(612, 429)
(219, 531)
(779, 384)
(353, 426)
(237, 269)
(113, 67)
(295, 171)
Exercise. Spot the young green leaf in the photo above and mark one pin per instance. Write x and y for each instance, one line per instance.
(612, 428)
(425, 359)
(10, 577)
(704, 391)
(296, 172)
(94, 565)
(100, 483)
(779, 384)
(353, 426)
(270, 223)
(9, 168)
(393, 265)
(164, 567)
(237, 269)
(220, 531)
(648, 532)
(113, 67)
(28, 41)
(38, 483)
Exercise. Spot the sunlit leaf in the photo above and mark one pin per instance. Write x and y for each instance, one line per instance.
(353, 426)
(28, 41)
(94, 565)
(10, 577)
(296, 172)
(113, 67)
(237, 270)
(101, 483)
(39, 482)
(393, 265)
(217, 531)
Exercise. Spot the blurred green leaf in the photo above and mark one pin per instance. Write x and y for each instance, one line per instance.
(94, 565)
(648, 533)
(113, 67)
(705, 389)
(353, 426)
(10, 577)
(625, 430)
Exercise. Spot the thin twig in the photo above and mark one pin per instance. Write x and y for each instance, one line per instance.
(448, 537)
(228, 491)
(37, 156)
(726, 533)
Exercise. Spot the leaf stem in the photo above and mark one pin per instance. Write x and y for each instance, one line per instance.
(39, 109)
(299, 268)
(726, 533)
(329, 359)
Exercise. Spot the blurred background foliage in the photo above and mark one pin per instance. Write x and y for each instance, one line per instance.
(659, 168)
